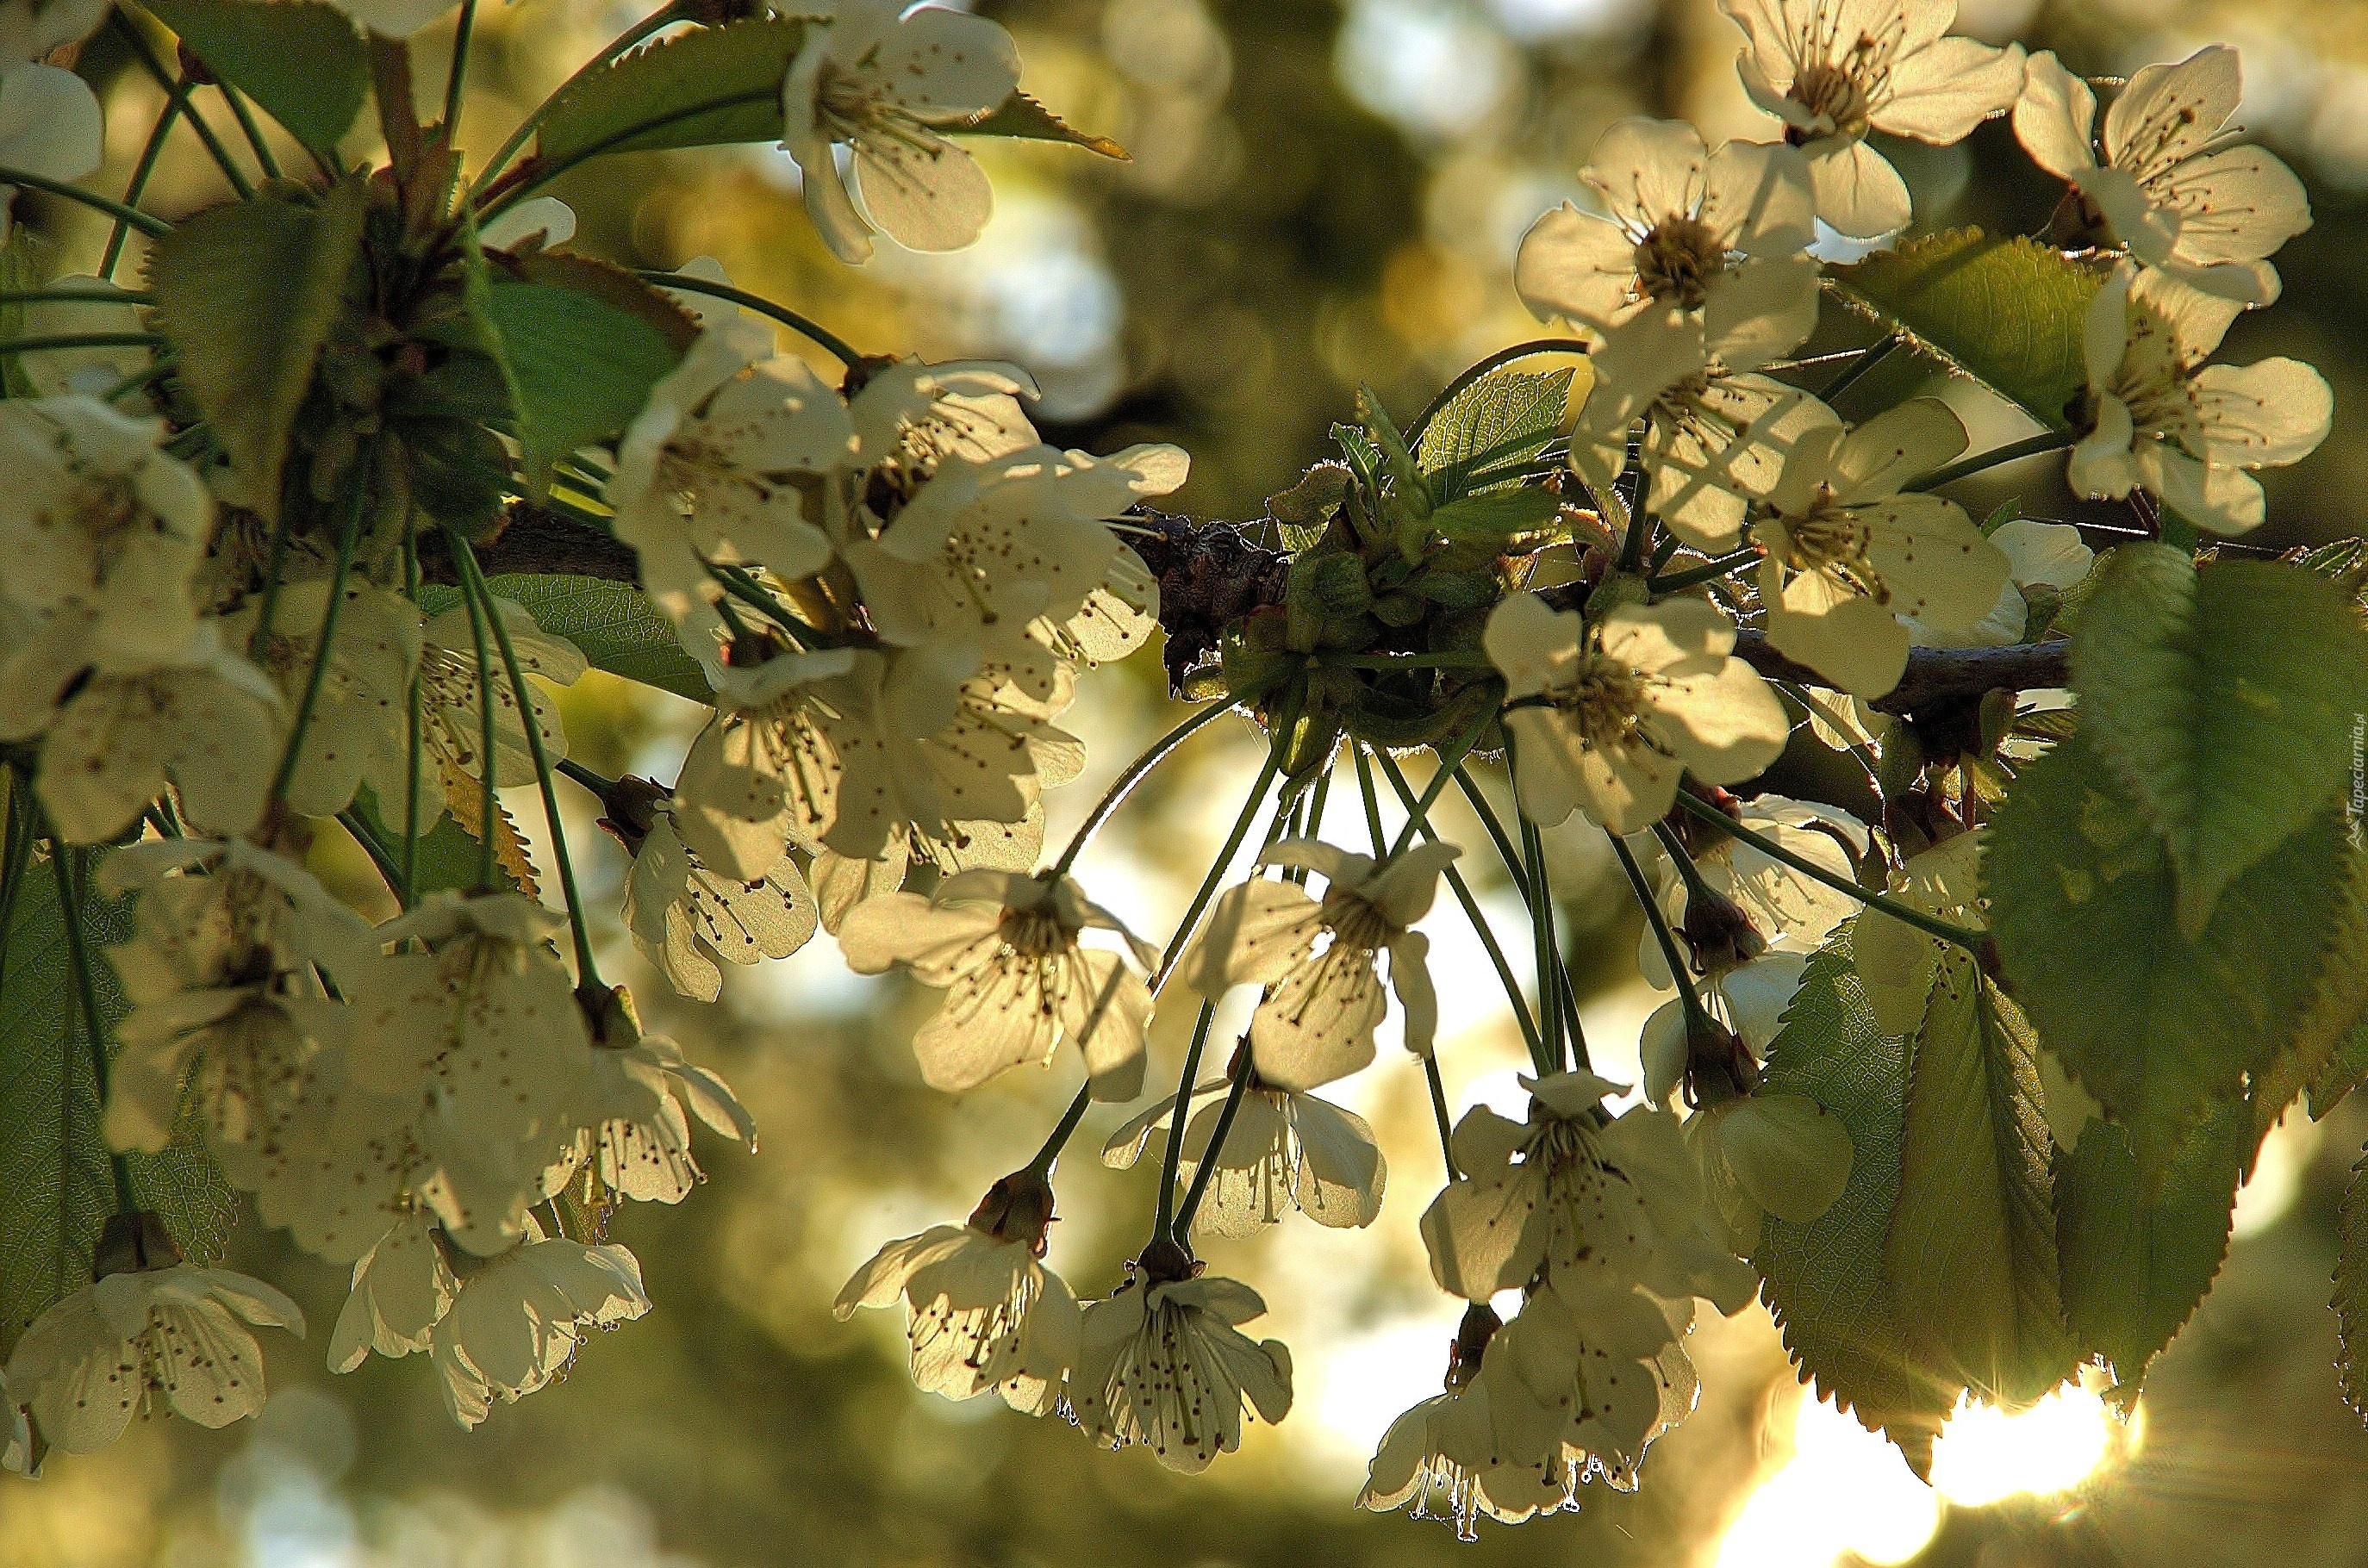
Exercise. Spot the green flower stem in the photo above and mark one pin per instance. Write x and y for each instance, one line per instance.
(17, 856)
(415, 739)
(1500, 359)
(1164, 1224)
(1873, 354)
(1548, 955)
(1439, 1113)
(1043, 1163)
(1123, 785)
(138, 185)
(1419, 814)
(580, 774)
(1312, 826)
(80, 340)
(1971, 941)
(822, 336)
(84, 998)
(154, 228)
(390, 867)
(1662, 938)
(1234, 1093)
(1461, 889)
(588, 972)
(1505, 852)
(1225, 855)
(179, 87)
(140, 379)
(491, 806)
(264, 159)
(1695, 576)
(655, 21)
(456, 78)
(2013, 451)
(1372, 803)
(529, 178)
(347, 538)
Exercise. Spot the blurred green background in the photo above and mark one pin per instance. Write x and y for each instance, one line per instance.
(1321, 195)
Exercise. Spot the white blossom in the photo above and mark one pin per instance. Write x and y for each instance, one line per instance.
(1005, 948)
(50, 122)
(1317, 960)
(16, 1432)
(1847, 551)
(32, 29)
(2164, 180)
(1285, 1150)
(683, 916)
(1833, 70)
(982, 1309)
(1443, 1457)
(1163, 1364)
(146, 1339)
(2162, 420)
(1605, 717)
(400, 1290)
(634, 1135)
(1580, 1381)
(1685, 228)
(884, 84)
(520, 1316)
(362, 715)
(2047, 557)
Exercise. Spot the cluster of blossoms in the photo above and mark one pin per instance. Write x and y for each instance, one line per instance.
(893, 585)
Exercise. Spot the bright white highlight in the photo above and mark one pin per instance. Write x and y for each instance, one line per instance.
(1843, 1493)
(1984, 1455)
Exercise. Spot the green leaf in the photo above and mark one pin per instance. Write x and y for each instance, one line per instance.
(2154, 1026)
(2350, 1301)
(1497, 517)
(2008, 313)
(445, 860)
(1023, 117)
(614, 623)
(1499, 423)
(300, 59)
(1972, 1247)
(584, 342)
(57, 1185)
(1825, 1280)
(246, 293)
(2137, 1257)
(2224, 696)
(701, 89)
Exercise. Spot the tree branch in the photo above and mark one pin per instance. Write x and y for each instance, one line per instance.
(1212, 574)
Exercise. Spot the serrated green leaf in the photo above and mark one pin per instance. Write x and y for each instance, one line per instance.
(1023, 117)
(446, 857)
(300, 59)
(1972, 1247)
(1494, 519)
(2008, 312)
(2156, 1027)
(246, 293)
(2225, 696)
(613, 623)
(1496, 425)
(2137, 1257)
(1825, 1280)
(584, 342)
(699, 90)
(57, 1185)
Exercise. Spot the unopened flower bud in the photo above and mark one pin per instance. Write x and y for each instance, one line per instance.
(1017, 1209)
(1718, 931)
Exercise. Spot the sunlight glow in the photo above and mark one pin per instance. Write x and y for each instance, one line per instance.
(1984, 1454)
(1843, 1493)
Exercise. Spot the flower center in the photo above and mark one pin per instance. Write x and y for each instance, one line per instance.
(1834, 92)
(1356, 924)
(1830, 540)
(1035, 933)
(1677, 261)
(1604, 700)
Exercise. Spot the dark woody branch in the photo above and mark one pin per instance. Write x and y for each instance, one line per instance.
(1212, 574)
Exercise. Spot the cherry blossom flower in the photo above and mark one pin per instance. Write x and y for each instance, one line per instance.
(1318, 960)
(1284, 1150)
(49, 123)
(634, 1137)
(1716, 434)
(30, 29)
(684, 915)
(1787, 909)
(2044, 561)
(1163, 1363)
(2162, 420)
(1768, 1153)
(363, 711)
(402, 1288)
(883, 85)
(1606, 717)
(1848, 552)
(520, 1316)
(1833, 70)
(1581, 1380)
(1018, 983)
(1442, 1455)
(1685, 229)
(983, 1311)
(2163, 180)
(144, 1338)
